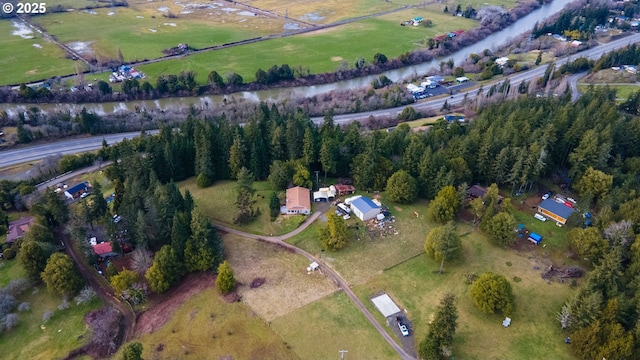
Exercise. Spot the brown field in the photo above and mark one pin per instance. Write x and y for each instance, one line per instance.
(287, 286)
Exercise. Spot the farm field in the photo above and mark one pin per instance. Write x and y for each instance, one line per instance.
(34, 339)
(319, 51)
(325, 12)
(142, 34)
(218, 202)
(21, 57)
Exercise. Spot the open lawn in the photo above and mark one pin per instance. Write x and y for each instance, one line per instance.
(218, 202)
(24, 59)
(324, 12)
(34, 339)
(417, 287)
(320, 51)
(206, 327)
(356, 262)
(322, 328)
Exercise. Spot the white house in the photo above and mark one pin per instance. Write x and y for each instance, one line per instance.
(298, 201)
(364, 208)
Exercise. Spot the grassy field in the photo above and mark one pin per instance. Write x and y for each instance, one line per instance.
(320, 51)
(324, 12)
(355, 263)
(142, 34)
(622, 91)
(206, 327)
(319, 330)
(217, 202)
(25, 60)
(534, 334)
(33, 339)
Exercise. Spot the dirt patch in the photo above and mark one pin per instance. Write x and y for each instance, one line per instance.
(286, 287)
(399, 209)
(336, 58)
(163, 306)
(257, 282)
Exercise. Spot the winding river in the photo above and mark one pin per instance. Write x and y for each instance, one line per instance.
(492, 41)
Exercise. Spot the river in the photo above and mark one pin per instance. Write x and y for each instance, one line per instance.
(492, 41)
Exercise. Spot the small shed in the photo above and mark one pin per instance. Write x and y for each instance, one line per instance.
(364, 208)
(535, 238)
(506, 322)
(462, 79)
(313, 267)
(386, 306)
(77, 190)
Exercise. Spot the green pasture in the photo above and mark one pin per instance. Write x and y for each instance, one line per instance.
(366, 256)
(325, 12)
(218, 202)
(623, 92)
(135, 37)
(33, 339)
(206, 327)
(321, 51)
(74, 4)
(416, 286)
(319, 330)
(21, 61)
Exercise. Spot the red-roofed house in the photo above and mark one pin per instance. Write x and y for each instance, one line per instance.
(18, 228)
(104, 249)
(298, 201)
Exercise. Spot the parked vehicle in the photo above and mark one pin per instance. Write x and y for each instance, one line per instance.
(403, 329)
(540, 217)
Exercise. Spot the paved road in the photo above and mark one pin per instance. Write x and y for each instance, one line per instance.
(64, 147)
(38, 152)
(339, 280)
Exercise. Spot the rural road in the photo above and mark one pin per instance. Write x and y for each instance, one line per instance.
(102, 288)
(340, 282)
(38, 152)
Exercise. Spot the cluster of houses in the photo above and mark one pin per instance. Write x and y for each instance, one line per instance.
(125, 72)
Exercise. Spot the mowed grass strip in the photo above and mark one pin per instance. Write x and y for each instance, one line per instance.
(416, 286)
(206, 327)
(321, 51)
(138, 36)
(324, 327)
(21, 61)
(218, 202)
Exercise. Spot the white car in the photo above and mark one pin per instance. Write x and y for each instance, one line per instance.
(116, 218)
(545, 196)
(84, 195)
(403, 329)
(540, 217)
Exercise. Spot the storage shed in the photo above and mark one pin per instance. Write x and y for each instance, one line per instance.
(535, 238)
(554, 210)
(364, 208)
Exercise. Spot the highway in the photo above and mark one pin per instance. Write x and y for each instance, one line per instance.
(79, 145)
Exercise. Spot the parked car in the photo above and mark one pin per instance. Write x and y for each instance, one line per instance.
(84, 195)
(546, 196)
(116, 218)
(403, 329)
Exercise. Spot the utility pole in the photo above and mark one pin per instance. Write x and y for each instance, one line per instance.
(342, 353)
(317, 181)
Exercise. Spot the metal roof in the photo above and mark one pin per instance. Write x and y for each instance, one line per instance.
(556, 208)
(364, 204)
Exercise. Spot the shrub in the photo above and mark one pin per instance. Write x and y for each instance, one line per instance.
(10, 321)
(24, 306)
(64, 305)
(48, 314)
(491, 293)
(86, 295)
(9, 254)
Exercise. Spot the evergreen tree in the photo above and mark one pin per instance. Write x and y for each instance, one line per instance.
(445, 206)
(165, 271)
(98, 204)
(180, 233)
(244, 197)
(335, 235)
(200, 250)
(443, 244)
(33, 258)
(492, 292)
(437, 343)
(132, 351)
(237, 156)
(225, 281)
(402, 188)
(274, 205)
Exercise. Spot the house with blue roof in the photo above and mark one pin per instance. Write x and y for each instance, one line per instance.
(555, 210)
(75, 191)
(364, 208)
